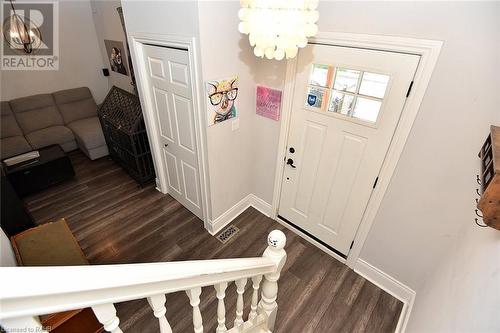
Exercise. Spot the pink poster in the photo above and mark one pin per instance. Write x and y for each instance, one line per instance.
(268, 102)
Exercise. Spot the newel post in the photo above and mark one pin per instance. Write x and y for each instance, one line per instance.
(275, 250)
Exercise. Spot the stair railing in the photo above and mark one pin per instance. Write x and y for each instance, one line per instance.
(27, 292)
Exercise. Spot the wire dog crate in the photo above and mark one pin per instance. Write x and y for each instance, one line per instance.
(125, 132)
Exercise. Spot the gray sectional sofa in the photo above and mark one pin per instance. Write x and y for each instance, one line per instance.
(67, 118)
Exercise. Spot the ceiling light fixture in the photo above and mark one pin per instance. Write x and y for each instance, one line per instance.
(21, 33)
(278, 28)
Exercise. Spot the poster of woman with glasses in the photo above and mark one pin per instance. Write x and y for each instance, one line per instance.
(221, 99)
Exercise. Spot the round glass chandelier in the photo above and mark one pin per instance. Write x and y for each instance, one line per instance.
(278, 28)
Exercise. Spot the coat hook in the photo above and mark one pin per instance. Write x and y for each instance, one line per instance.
(478, 179)
(479, 224)
(477, 201)
(477, 191)
(481, 216)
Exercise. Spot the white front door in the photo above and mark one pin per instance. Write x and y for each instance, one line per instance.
(346, 105)
(168, 76)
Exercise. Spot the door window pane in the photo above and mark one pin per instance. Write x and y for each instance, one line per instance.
(367, 109)
(341, 103)
(346, 79)
(374, 84)
(347, 91)
(315, 97)
(319, 75)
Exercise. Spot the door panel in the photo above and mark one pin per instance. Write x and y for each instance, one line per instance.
(345, 176)
(156, 69)
(346, 106)
(165, 118)
(172, 172)
(184, 117)
(190, 176)
(169, 82)
(314, 135)
(179, 74)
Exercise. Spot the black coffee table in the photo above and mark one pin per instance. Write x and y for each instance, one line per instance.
(52, 167)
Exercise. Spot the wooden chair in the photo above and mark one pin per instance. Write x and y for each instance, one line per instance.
(53, 244)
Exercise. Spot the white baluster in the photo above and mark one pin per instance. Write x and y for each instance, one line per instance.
(276, 242)
(194, 300)
(220, 288)
(157, 303)
(255, 296)
(106, 314)
(240, 289)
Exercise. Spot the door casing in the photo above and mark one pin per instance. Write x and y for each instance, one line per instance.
(429, 51)
(136, 42)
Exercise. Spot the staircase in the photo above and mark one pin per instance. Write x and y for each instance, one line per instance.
(27, 292)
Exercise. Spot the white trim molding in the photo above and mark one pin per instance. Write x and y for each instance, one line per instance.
(250, 200)
(260, 205)
(136, 42)
(223, 220)
(428, 50)
(394, 287)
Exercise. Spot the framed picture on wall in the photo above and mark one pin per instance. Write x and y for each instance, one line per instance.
(117, 56)
(268, 103)
(221, 96)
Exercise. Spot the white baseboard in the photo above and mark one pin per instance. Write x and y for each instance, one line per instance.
(223, 220)
(390, 285)
(260, 205)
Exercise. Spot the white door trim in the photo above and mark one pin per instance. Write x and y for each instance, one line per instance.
(429, 51)
(136, 42)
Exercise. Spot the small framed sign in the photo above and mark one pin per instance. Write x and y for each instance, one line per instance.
(268, 102)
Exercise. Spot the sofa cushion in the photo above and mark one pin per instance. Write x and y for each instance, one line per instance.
(88, 132)
(36, 112)
(75, 104)
(5, 108)
(9, 126)
(13, 145)
(49, 136)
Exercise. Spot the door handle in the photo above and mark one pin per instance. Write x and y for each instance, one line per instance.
(290, 163)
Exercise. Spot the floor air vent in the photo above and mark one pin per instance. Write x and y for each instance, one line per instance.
(227, 234)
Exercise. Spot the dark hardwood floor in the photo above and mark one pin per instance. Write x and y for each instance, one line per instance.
(116, 221)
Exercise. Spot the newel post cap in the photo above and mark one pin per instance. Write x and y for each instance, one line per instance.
(276, 239)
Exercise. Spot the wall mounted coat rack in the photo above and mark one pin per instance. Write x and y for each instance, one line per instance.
(489, 180)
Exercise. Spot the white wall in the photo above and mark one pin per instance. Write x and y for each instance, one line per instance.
(424, 234)
(161, 17)
(80, 60)
(270, 74)
(226, 53)
(463, 293)
(108, 26)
